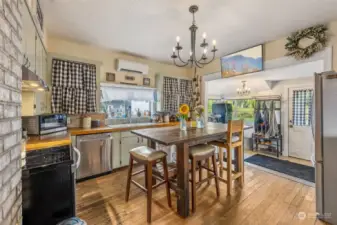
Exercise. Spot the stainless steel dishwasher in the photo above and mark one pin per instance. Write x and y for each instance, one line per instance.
(96, 155)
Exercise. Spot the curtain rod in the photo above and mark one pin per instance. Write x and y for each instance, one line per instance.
(74, 61)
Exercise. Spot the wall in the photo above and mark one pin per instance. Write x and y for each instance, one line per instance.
(10, 109)
(275, 49)
(107, 58)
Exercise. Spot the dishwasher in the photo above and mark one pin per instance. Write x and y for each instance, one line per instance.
(96, 155)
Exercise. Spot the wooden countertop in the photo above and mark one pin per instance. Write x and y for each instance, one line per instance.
(118, 128)
(41, 142)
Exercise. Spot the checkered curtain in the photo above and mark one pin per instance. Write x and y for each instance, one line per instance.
(185, 92)
(73, 87)
(170, 94)
(302, 107)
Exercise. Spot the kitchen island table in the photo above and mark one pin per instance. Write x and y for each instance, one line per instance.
(183, 140)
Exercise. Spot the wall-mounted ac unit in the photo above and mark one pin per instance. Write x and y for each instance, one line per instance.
(133, 67)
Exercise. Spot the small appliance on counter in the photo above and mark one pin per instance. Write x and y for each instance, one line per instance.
(44, 124)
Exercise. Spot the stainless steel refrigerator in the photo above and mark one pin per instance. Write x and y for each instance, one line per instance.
(325, 133)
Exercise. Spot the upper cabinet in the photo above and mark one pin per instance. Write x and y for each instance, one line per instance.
(33, 46)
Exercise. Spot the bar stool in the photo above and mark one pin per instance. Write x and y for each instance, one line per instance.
(236, 142)
(197, 154)
(148, 157)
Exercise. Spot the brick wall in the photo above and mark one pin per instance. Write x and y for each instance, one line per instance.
(10, 111)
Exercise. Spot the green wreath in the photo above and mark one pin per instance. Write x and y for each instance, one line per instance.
(319, 33)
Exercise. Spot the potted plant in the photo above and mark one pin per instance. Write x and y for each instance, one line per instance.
(183, 115)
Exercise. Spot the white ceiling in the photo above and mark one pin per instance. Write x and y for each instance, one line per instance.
(258, 82)
(149, 27)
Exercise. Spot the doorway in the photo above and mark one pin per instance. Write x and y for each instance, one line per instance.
(300, 137)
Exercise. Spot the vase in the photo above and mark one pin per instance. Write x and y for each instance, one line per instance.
(183, 125)
(200, 122)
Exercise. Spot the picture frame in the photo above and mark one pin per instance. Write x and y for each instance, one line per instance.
(146, 81)
(245, 61)
(111, 77)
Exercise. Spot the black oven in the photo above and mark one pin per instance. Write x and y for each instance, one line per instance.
(44, 124)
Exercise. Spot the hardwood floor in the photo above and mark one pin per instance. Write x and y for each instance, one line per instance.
(265, 199)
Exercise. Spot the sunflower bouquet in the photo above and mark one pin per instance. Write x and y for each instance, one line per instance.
(183, 115)
(183, 111)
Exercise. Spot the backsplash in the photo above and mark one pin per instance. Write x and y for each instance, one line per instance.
(76, 120)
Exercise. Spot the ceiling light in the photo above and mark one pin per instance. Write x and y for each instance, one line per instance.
(192, 61)
(244, 91)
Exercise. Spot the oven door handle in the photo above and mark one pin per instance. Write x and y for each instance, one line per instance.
(78, 153)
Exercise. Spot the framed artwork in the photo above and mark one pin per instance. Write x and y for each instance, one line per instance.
(146, 81)
(129, 78)
(110, 77)
(242, 62)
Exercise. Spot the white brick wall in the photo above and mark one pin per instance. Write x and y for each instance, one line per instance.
(10, 111)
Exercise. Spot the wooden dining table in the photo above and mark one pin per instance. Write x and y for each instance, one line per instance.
(183, 141)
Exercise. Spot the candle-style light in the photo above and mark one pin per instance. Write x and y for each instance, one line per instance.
(193, 61)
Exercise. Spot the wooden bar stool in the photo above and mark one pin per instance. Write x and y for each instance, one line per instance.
(148, 157)
(197, 154)
(236, 142)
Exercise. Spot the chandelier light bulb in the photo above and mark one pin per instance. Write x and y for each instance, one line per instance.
(205, 51)
(204, 35)
(214, 42)
(174, 49)
(178, 39)
(191, 53)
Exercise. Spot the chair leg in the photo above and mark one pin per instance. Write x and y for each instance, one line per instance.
(241, 165)
(193, 186)
(215, 169)
(149, 191)
(200, 171)
(167, 182)
(208, 173)
(221, 161)
(145, 168)
(129, 179)
(229, 170)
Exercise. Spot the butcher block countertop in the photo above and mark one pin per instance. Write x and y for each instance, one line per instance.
(42, 142)
(118, 128)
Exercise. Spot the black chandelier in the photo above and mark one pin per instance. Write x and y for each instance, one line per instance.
(193, 60)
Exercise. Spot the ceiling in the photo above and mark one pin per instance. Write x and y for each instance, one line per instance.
(149, 27)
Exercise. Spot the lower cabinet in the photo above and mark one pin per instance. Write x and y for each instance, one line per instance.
(128, 142)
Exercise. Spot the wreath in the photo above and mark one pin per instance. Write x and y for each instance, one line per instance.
(318, 33)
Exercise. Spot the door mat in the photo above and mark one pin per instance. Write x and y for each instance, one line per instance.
(282, 166)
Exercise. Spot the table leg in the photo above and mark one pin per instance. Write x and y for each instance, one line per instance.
(183, 177)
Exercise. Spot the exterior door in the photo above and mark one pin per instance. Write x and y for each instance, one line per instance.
(301, 141)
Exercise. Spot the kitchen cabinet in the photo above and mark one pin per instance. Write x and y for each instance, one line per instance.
(128, 142)
(33, 47)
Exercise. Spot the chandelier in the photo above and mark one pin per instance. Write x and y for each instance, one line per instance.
(244, 91)
(204, 45)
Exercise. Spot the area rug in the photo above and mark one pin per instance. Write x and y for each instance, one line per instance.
(282, 166)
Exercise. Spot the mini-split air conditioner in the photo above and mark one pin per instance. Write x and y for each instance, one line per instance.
(132, 67)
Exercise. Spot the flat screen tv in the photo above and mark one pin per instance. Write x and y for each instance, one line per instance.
(242, 62)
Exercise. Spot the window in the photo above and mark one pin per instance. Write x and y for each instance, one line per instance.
(243, 109)
(302, 107)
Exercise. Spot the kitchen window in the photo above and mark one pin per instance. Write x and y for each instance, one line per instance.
(124, 102)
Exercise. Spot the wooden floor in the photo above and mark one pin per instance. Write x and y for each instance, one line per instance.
(265, 199)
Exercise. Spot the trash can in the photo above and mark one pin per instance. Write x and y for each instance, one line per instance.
(73, 221)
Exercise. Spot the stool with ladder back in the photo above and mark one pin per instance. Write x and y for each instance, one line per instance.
(148, 157)
(230, 142)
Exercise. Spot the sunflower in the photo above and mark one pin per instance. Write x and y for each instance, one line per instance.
(184, 109)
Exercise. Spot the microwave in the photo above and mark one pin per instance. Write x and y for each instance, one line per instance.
(44, 124)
